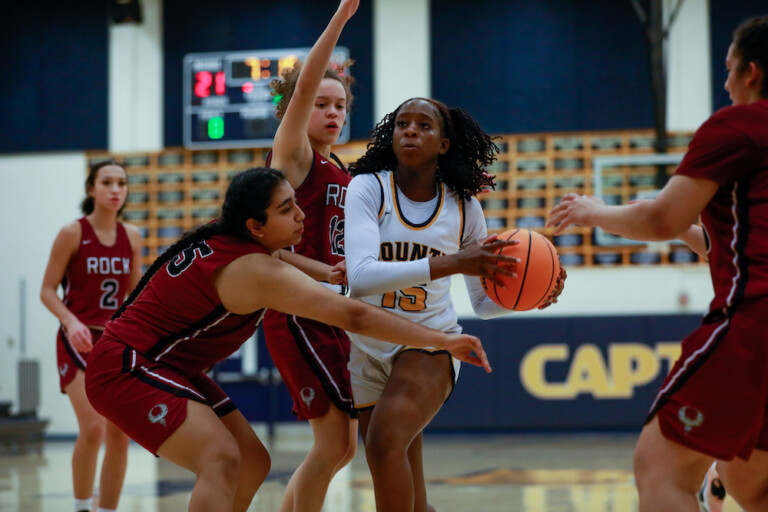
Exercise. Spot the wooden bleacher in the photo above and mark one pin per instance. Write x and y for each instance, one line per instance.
(176, 189)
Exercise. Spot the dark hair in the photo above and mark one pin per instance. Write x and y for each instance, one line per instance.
(282, 90)
(462, 167)
(750, 40)
(248, 197)
(87, 205)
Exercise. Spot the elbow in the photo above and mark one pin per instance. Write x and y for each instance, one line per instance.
(665, 227)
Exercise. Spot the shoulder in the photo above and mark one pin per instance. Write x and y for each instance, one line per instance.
(134, 235)
(71, 231)
(472, 207)
(368, 182)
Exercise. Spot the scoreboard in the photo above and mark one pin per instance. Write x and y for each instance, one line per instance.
(227, 101)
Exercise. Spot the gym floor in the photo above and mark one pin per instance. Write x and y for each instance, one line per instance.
(488, 473)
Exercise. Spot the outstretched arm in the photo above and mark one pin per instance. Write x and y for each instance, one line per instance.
(666, 217)
(292, 151)
(255, 281)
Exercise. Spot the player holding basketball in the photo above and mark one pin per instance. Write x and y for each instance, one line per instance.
(698, 415)
(314, 99)
(197, 303)
(416, 222)
(96, 260)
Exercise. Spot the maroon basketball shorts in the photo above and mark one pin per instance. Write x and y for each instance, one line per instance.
(715, 398)
(68, 359)
(312, 360)
(145, 399)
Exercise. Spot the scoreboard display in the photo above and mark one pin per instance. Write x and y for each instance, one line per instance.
(227, 100)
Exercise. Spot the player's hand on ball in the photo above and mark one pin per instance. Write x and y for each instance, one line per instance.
(573, 209)
(461, 346)
(484, 259)
(558, 289)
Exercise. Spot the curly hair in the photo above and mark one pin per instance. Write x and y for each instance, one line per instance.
(751, 41)
(248, 197)
(282, 89)
(462, 167)
(87, 205)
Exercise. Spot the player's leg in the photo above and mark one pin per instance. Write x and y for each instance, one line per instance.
(90, 435)
(254, 459)
(667, 474)
(113, 466)
(747, 481)
(332, 445)
(215, 459)
(417, 387)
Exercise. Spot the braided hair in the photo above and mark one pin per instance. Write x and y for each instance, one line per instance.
(87, 205)
(462, 167)
(248, 197)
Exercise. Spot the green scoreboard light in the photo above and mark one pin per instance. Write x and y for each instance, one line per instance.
(227, 101)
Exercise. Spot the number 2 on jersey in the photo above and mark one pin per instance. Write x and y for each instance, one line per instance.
(408, 299)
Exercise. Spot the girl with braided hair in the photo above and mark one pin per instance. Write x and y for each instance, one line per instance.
(416, 222)
(198, 303)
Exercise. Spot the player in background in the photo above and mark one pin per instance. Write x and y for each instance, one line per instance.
(713, 404)
(97, 262)
(314, 99)
(198, 303)
(416, 222)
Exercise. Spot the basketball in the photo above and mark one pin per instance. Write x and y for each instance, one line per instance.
(537, 272)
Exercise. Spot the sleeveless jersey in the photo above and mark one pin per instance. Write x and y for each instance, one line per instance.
(97, 277)
(731, 148)
(178, 319)
(429, 303)
(321, 197)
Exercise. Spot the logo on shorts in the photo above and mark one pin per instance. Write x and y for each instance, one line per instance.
(307, 395)
(63, 369)
(157, 414)
(690, 417)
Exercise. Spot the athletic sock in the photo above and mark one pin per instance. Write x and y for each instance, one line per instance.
(83, 505)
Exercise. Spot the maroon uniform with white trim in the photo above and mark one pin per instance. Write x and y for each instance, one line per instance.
(152, 359)
(95, 284)
(312, 357)
(716, 396)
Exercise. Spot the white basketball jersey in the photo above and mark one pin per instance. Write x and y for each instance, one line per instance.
(428, 303)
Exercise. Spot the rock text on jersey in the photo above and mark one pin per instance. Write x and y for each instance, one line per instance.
(105, 266)
(406, 251)
(335, 195)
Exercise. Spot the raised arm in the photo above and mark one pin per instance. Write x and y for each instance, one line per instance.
(292, 151)
(257, 280)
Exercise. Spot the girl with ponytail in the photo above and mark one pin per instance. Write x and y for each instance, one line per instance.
(197, 304)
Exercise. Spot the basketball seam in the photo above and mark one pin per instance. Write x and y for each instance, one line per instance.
(552, 271)
(525, 274)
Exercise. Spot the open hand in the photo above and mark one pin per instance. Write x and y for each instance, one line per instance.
(573, 209)
(484, 259)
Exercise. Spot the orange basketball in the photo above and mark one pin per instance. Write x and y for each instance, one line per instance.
(536, 273)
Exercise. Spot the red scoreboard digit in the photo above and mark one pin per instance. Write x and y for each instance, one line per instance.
(227, 103)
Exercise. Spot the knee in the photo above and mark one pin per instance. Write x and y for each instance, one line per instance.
(256, 462)
(117, 439)
(92, 432)
(222, 461)
(379, 447)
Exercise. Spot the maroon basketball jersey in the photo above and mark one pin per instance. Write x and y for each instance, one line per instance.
(97, 278)
(731, 149)
(321, 196)
(178, 319)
